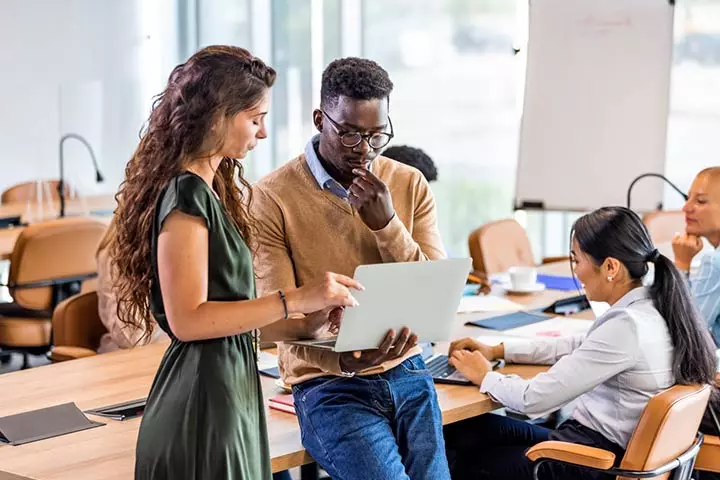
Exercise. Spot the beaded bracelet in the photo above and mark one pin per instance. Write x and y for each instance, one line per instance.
(284, 302)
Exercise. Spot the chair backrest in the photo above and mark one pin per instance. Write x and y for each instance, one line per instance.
(663, 225)
(667, 427)
(28, 191)
(51, 250)
(497, 246)
(76, 322)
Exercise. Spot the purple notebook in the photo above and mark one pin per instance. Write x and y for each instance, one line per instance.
(559, 282)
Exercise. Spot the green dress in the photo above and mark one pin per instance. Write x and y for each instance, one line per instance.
(204, 417)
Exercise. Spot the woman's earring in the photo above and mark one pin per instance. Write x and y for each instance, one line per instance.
(609, 279)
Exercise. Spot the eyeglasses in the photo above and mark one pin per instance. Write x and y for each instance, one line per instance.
(376, 140)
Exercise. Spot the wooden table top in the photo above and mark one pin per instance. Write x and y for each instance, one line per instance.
(108, 452)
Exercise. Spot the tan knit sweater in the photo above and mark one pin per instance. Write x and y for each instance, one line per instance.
(305, 231)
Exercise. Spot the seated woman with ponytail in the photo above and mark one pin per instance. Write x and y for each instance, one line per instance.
(650, 339)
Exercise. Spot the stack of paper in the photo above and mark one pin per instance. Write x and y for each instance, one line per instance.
(487, 303)
(553, 327)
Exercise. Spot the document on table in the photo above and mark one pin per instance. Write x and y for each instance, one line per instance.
(553, 327)
(487, 303)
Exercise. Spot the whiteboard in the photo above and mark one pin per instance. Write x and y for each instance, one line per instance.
(595, 105)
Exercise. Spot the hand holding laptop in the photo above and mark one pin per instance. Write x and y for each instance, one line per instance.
(389, 349)
(325, 320)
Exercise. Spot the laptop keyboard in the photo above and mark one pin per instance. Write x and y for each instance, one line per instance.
(439, 367)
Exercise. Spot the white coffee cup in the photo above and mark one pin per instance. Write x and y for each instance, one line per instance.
(522, 278)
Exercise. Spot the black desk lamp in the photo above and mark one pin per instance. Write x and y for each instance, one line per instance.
(61, 185)
(656, 175)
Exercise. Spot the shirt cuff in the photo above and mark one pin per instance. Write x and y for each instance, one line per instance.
(491, 379)
(517, 348)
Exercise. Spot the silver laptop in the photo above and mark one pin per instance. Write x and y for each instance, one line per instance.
(423, 296)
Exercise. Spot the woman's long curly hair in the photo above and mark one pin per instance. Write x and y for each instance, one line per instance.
(214, 85)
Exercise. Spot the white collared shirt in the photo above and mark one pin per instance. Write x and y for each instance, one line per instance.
(624, 360)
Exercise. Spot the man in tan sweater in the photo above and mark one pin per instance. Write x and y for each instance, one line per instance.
(338, 206)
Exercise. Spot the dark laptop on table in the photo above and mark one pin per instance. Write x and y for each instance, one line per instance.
(444, 373)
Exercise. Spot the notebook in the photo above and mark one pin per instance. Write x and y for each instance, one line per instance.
(283, 402)
(510, 320)
(44, 423)
(121, 411)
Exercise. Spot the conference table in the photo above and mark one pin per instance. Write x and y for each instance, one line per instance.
(99, 206)
(108, 452)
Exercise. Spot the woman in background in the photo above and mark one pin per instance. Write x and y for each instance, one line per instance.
(650, 339)
(702, 220)
(119, 335)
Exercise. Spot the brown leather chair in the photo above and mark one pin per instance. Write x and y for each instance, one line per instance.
(499, 245)
(77, 328)
(665, 440)
(24, 192)
(50, 261)
(663, 225)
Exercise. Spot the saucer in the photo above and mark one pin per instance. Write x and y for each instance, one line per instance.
(538, 287)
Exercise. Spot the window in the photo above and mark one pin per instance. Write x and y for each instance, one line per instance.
(694, 121)
(456, 91)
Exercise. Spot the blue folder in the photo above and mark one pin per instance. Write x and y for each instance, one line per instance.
(559, 282)
(510, 320)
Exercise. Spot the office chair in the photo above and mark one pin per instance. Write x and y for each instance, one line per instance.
(77, 328)
(663, 225)
(27, 191)
(50, 261)
(499, 245)
(664, 444)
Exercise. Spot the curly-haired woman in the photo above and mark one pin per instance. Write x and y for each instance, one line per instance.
(182, 253)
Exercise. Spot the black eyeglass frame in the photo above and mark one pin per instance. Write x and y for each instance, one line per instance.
(360, 137)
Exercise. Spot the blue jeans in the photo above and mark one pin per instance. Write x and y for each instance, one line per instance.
(384, 426)
(492, 447)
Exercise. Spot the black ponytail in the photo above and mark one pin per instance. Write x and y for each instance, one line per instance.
(619, 233)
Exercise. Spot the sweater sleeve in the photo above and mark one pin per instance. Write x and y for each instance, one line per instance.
(274, 268)
(397, 244)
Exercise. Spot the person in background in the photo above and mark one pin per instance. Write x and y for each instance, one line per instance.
(181, 252)
(119, 335)
(702, 220)
(650, 339)
(413, 157)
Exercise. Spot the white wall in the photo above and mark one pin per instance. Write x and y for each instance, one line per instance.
(84, 66)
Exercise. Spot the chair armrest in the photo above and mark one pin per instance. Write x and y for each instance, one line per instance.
(572, 453)
(708, 460)
(63, 353)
